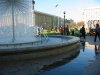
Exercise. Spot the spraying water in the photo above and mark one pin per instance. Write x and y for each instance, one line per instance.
(16, 21)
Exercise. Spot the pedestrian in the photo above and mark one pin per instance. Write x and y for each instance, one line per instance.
(82, 31)
(56, 29)
(61, 29)
(38, 31)
(97, 31)
(67, 30)
(72, 32)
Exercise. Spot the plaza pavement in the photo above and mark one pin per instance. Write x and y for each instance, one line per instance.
(94, 67)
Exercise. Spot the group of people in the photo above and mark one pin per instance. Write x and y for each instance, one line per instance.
(97, 32)
(64, 30)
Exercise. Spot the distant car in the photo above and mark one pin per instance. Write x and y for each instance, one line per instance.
(92, 32)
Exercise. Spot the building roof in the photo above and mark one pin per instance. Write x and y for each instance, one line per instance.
(96, 7)
(45, 13)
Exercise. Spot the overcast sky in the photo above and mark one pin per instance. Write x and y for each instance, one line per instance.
(73, 8)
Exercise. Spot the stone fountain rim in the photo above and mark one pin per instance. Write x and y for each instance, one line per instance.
(73, 40)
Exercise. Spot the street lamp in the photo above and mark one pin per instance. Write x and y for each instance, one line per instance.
(64, 21)
(33, 2)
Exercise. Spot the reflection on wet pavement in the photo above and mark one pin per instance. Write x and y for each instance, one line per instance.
(36, 66)
(60, 63)
(82, 61)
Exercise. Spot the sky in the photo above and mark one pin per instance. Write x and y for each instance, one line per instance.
(73, 8)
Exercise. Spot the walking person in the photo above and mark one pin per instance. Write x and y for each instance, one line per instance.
(72, 32)
(82, 31)
(97, 31)
(38, 31)
(67, 30)
(61, 29)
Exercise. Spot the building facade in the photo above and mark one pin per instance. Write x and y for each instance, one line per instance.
(91, 17)
(47, 20)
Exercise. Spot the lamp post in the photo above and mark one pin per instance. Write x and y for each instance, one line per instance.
(33, 3)
(64, 21)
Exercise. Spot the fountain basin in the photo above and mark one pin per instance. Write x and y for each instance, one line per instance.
(53, 46)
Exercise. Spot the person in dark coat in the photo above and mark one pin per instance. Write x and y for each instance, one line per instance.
(67, 30)
(61, 29)
(97, 31)
(72, 32)
(82, 31)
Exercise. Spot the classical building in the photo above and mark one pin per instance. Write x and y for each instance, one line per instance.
(47, 20)
(91, 16)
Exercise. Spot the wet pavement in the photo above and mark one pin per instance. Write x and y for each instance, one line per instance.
(81, 61)
(94, 67)
(86, 63)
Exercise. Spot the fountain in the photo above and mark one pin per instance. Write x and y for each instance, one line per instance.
(18, 34)
(16, 22)
(37, 66)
